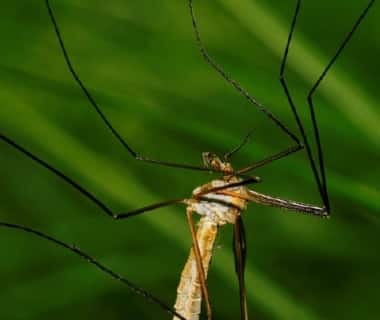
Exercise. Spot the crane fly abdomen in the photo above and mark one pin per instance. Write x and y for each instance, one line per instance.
(216, 209)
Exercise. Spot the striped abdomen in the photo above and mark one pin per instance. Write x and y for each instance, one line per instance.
(189, 295)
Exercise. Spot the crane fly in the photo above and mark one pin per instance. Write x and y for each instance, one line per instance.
(220, 201)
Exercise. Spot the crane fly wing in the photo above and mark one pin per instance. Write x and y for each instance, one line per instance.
(263, 199)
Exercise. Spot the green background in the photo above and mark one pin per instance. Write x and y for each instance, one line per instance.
(140, 61)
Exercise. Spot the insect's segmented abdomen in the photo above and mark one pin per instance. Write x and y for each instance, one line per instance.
(189, 285)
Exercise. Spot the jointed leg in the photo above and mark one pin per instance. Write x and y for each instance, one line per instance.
(293, 108)
(99, 111)
(140, 291)
(314, 89)
(251, 99)
(319, 174)
(233, 82)
(109, 212)
(240, 250)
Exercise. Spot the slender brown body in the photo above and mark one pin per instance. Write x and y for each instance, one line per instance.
(218, 203)
(189, 294)
(216, 209)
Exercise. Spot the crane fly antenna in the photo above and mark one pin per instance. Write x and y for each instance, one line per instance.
(235, 150)
(270, 159)
(99, 111)
(134, 288)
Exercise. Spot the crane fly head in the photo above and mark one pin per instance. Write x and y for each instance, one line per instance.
(212, 161)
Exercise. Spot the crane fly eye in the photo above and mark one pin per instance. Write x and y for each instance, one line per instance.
(212, 161)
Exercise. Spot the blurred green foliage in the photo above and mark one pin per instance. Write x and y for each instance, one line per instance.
(140, 61)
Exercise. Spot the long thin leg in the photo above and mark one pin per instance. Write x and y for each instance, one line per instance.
(108, 211)
(233, 82)
(98, 110)
(82, 190)
(240, 252)
(315, 87)
(198, 259)
(152, 207)
(251, 99)
(294, 109)
(320, 175)
(59, 174)
(140, 291)
(148, 208)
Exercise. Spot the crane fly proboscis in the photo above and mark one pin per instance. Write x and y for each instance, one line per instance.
(219, 201)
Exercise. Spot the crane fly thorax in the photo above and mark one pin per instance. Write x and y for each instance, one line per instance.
(219, 207)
